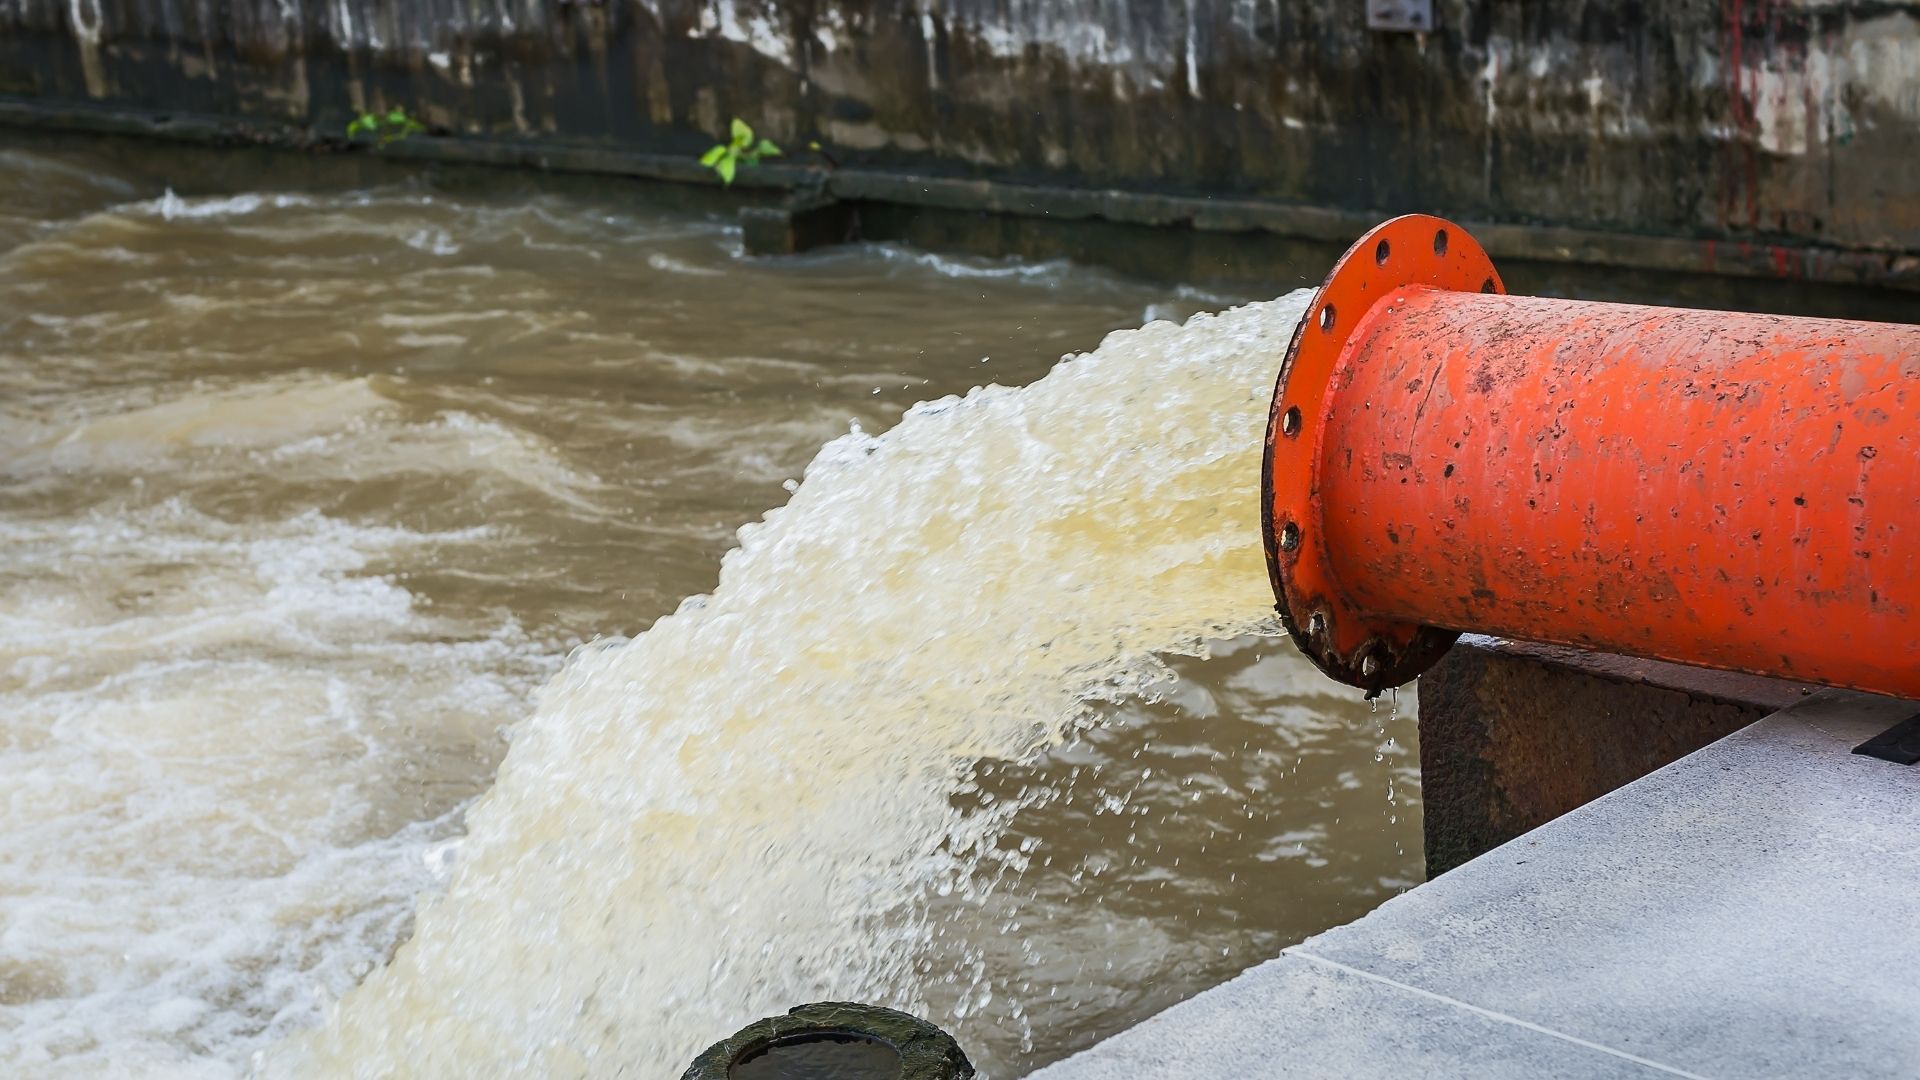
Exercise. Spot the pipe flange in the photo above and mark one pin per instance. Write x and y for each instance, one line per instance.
(1347, 643)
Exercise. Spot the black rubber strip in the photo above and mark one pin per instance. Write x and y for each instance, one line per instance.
(1899, 744)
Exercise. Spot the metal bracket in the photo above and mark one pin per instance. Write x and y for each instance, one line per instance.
(1403, 15)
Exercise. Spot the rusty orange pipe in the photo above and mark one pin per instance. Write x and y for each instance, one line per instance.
(1715, 488)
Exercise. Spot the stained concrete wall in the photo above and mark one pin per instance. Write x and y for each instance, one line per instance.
(1790, 128)
(1513, 735)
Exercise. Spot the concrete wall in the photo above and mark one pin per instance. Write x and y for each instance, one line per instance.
(1786, 131)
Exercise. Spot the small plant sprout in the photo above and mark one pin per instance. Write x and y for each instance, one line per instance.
(390, 126)
(740, 148)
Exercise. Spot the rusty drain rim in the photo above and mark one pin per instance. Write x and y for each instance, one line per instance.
(1414, 251)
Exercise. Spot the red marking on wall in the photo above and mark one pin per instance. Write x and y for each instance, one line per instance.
(1731, 11)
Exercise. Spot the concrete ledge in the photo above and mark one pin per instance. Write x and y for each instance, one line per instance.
(1786, 262)
(801, 222)
(1747, 911)
(1301, 1016)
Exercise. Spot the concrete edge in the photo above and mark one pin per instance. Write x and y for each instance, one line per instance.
(1753, 258)
(1395, 1021)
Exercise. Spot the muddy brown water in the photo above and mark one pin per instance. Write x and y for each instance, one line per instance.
(305, 493)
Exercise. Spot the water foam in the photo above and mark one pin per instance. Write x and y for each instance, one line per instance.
(750, 804)
(166, 674)
(171, 207)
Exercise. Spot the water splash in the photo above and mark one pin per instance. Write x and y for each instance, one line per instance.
(134, 718)
(747, 806)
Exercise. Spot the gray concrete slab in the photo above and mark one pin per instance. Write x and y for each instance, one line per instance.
(1297, 1017)
(1752, 910)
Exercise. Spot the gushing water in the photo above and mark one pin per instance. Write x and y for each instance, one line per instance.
(749, 805)
(276, 581)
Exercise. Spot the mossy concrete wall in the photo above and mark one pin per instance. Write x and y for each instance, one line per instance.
(1767, 136)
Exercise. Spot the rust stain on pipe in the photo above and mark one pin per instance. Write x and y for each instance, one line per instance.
(1715, 488)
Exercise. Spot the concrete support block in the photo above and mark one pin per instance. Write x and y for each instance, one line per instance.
(800, 223)
(1514, 735)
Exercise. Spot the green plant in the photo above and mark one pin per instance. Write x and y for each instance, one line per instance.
(740, 148)
(391, 126)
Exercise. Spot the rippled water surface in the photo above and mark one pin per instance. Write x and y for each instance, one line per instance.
(305, 494)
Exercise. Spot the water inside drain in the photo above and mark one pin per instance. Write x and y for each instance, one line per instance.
(822, 1056)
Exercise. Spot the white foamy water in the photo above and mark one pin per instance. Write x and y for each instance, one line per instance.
(229, 691)
(748, 806)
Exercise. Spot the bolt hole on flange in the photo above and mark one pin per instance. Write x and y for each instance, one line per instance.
(1317, 624)
(1290, 421)
(1289, 537)
(1439, 242)
(1326, 319)
(1369, 666)
(1381, 252)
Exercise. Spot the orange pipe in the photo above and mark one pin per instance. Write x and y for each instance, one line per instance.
(1715, 488)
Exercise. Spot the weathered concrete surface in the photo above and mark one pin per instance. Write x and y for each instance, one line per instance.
(1745, 912)
(798, 224)
(1296, 1017)
(1514, 735)
(1779, 135)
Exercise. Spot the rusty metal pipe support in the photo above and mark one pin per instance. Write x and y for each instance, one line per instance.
(1715, 488)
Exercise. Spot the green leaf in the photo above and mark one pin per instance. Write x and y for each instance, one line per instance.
(766, 149)
(742, 134)
(396, 115)
(726, 168)
(713, 156)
